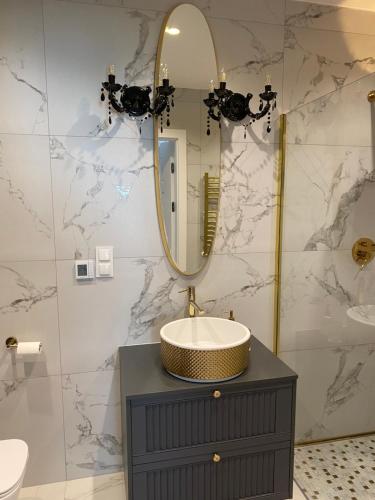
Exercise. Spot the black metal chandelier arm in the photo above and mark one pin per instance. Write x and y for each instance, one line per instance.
(257, 116)
(115, 104)
(211, 114)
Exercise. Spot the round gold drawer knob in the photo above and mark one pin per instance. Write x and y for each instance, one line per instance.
(217, 394)
(216, 458)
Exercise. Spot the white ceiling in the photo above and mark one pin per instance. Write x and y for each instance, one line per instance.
(353, 4)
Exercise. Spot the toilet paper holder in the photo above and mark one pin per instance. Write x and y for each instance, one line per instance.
(11, 343)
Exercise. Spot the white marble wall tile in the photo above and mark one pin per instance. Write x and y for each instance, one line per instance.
(244, 283)
(338, 181)
(317, 289)
(319, 62)
(97, 317)
(329, 17)
(343, 117)
(26, 218)
(143, 296)
(92, 419)
(104, 194)
(28, 311)
(77, 59)
(22, 68)
(32, 410)
(248, 199)
(247, 60)
(334, 391)
(265, 11)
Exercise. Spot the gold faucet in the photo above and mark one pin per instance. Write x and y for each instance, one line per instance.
(193, 308)
(363, 252)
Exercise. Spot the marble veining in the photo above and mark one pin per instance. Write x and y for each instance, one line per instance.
(315, 65)
(261, 59)
(309, 14)
(327, 398)
(29, 294)
(154, 305)
(15, 192)
(338, 180)
(248, 199)
(8, 387)
(93, 441)
(346, 383)
(40, 116)
(95, 193)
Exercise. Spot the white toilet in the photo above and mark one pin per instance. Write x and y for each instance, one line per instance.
(14, 454)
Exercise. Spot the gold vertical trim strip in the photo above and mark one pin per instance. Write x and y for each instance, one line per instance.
(280, 177)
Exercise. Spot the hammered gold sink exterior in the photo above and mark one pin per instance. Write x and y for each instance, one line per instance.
(205, 349)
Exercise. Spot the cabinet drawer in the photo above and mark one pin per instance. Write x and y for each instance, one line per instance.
(239, 475)
(170, 424)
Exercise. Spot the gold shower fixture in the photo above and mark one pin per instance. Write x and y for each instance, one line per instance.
(371, 96)
(363, 251)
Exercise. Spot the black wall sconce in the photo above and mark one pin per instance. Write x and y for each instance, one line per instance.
(236, 107)
(136, 101)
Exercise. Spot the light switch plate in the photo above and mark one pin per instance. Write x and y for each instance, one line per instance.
(104, 262)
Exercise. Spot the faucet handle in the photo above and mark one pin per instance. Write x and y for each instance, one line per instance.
(190, 290)
(231, 315)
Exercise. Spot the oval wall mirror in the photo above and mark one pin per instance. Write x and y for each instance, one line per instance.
(187, 157)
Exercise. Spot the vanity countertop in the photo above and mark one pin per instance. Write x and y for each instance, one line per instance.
(144, 374)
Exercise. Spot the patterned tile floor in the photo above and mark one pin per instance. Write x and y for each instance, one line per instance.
(341, 470)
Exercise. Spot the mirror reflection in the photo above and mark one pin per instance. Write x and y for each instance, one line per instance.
(188, 159)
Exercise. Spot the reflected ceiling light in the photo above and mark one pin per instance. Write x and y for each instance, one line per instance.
(171, 30)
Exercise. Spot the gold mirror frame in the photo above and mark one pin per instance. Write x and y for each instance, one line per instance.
(159, 209)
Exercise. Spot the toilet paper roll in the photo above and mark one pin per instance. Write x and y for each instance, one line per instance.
(29, 347)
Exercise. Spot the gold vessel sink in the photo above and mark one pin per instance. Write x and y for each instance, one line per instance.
(203, 349)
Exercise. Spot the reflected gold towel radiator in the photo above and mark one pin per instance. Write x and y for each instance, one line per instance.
(211, 207)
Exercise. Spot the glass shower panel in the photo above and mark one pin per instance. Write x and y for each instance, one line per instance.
(329, 203)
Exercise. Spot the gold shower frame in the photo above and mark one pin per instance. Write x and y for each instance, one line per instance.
(280, 192)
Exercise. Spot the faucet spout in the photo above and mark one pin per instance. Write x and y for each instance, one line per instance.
(193, 309)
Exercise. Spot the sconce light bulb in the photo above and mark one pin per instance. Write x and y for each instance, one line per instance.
(211, 87)
(223, 76)
(165, 72)
(268, 79)
(111, 69)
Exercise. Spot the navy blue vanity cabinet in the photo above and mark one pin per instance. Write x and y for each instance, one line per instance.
(227, 441)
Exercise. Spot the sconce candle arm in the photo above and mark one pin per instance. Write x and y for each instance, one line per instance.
(236, 107)
(260, 114)
(135, 100)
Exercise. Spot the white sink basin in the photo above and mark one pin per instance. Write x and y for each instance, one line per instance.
(204, 349)
(364, 314)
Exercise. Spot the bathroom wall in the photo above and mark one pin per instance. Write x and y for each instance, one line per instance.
(329, 204)
(68, 182)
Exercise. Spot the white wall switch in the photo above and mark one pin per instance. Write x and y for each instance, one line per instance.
(104, 262)
(84, 269)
